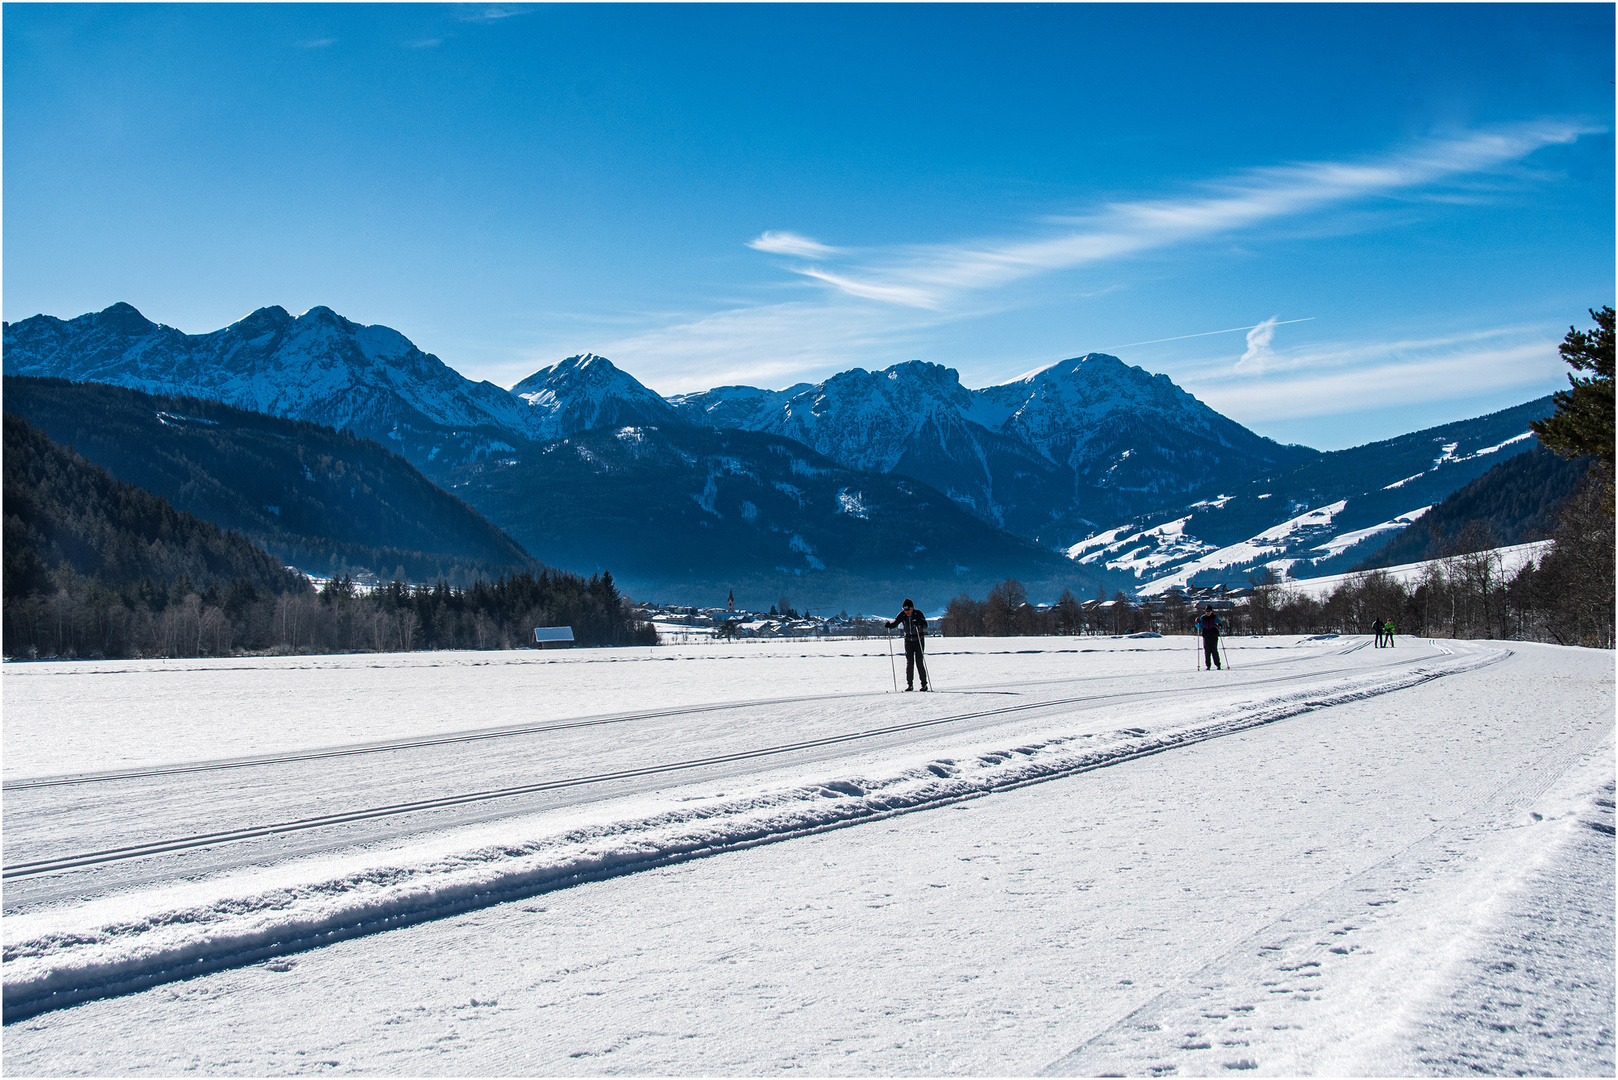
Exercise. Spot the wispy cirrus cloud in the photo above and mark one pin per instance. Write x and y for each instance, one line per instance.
(936, 276)
(1259, 339)
(490, 12)
(881, 305)
(787, 243)
(1330, 380)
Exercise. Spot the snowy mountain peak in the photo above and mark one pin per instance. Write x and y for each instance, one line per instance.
(322, 313)
(122, 318)
(583, 392)
(266, 320)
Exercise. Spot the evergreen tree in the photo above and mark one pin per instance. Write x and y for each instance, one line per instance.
(1583, 423)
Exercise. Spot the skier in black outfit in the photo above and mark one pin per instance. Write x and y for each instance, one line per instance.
(915, 628)
(1208, 625)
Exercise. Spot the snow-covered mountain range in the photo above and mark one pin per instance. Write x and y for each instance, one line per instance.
(1051, 455)
(318, 366)
(1120, 468)
(1054, 455)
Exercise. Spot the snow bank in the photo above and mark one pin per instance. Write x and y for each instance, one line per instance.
(67, 954)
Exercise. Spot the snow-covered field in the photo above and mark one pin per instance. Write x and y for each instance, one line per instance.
(1081, 856)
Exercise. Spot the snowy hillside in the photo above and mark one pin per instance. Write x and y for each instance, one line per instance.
(1308, 537)
(1508, 561)
(1081, 857)
(1318, 518)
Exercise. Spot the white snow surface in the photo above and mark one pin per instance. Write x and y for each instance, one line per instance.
(1276, 540)
(1140, 552)
(1343, 541)
(1082, 856)
(1512, 559)
(1448, 455)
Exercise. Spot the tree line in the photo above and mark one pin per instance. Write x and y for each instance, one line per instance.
(79, 616)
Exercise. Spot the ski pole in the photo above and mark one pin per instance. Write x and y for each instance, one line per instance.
(891, 667)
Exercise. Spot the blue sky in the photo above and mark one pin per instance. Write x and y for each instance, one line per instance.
(1332, 223)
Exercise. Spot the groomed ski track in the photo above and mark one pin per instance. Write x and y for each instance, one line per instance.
(796, 810)
(528, 729)
(1071, 705)
(146, 916)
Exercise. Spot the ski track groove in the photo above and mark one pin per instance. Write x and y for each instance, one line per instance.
(42, 867)
(460, 737)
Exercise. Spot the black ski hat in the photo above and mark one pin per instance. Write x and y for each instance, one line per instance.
(907, 603)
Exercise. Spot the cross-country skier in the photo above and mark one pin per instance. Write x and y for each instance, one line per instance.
(915, 629)
(1378, 629)
(1208, 625)
(1387, 633)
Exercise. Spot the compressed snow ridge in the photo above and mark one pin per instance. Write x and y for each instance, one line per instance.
(63, 955)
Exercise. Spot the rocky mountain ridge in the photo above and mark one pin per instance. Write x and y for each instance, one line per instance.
(1053, 456)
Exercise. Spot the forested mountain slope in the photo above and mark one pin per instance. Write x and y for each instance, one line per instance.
(325, 501)
(1514, 502)
(688, 512)
(61, 509)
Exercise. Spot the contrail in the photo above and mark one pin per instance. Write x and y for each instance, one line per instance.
(1207, 333)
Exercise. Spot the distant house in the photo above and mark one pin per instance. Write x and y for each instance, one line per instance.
(559, 636)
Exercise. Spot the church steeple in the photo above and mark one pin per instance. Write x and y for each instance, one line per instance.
(730, 601)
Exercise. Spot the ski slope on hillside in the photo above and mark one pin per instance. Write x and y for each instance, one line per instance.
(732, 858)
(1511, 559)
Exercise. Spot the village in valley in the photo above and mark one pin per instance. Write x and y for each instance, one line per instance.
(1169, 612)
